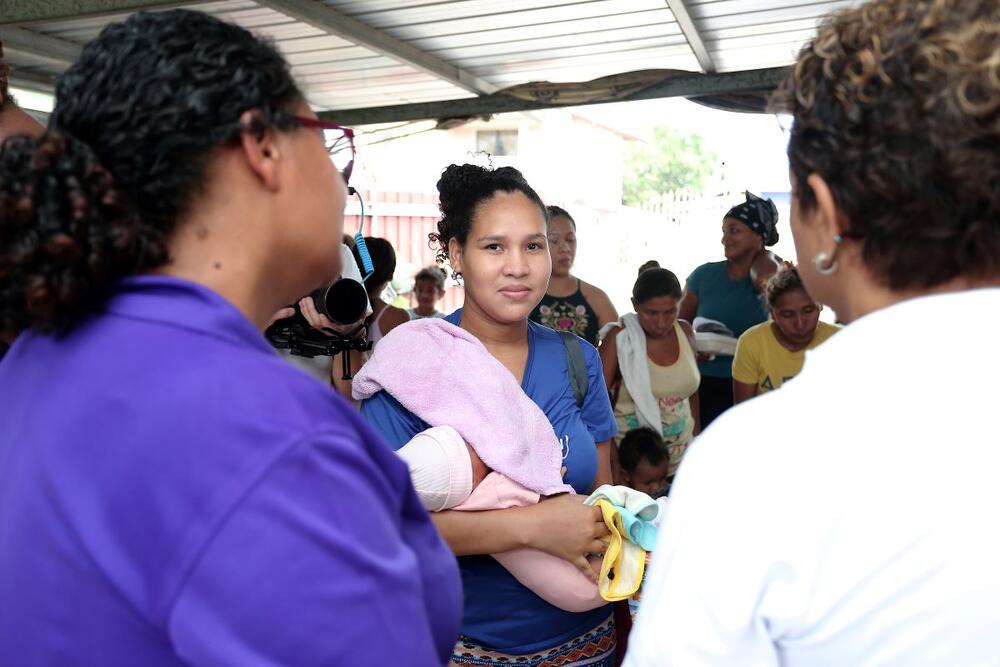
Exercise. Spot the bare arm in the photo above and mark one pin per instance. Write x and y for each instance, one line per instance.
(746, 366)
(616, 466)
(743, 391)
(689, 305)
(609, 357)
(688, 311)
(343, 386)
(393, 318)
(694, 402)
(603, 464)
(600, 302)
(562, 526)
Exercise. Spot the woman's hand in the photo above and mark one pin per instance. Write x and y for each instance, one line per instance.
(564, 527)
(280, 315)
(321, 322)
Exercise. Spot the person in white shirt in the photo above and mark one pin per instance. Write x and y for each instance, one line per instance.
(850, 518)
(428, 289)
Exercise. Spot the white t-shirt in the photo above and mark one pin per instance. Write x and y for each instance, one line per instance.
(848, 518)
(414, 315)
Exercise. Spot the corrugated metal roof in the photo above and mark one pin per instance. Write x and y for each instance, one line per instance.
(499, 42)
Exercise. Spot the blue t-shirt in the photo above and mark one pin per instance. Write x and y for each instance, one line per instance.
(499, 611)
(735, 303)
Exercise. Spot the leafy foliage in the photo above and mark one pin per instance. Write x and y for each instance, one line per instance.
(672, 161)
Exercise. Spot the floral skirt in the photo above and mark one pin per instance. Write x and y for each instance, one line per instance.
(594, 648)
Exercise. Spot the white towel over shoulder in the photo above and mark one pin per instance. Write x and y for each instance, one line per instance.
(634, 366)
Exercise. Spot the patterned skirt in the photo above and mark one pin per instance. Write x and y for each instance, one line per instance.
(594, 648)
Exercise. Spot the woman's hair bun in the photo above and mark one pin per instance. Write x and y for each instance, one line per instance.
(65, 234)
(461, 188)
(455, 179)
(650, 264)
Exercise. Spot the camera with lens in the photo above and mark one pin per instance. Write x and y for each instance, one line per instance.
(345, 303)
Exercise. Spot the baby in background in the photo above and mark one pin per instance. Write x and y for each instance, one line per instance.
(645, 462)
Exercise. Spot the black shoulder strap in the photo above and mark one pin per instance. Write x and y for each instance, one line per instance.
(578, 378)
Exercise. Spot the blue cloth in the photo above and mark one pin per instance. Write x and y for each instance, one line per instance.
(173, 493)
(499, 612)
(639, 531)
(735, 303)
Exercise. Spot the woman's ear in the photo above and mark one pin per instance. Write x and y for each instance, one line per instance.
(828, 215)
(455, 255)
(260, 150)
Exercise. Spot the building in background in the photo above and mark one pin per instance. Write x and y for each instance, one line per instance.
(574, 158)
(570, 160)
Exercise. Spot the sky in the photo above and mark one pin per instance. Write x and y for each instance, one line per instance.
(750, 147)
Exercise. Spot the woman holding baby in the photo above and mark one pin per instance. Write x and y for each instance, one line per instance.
(497, 363)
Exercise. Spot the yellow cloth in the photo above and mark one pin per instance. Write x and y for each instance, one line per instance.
(763, 361)
(624, 561)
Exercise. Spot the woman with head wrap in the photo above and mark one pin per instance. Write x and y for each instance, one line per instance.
(722, 291)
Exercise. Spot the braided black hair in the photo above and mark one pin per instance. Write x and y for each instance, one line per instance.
(136, 120)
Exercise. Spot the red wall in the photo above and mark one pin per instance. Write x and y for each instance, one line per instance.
(408, 236)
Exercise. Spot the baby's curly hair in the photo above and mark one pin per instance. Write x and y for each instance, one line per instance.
(896, 105)
(461, 189)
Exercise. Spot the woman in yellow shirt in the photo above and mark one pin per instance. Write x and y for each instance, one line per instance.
(771, 353)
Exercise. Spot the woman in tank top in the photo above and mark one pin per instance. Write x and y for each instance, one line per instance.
(650, 365)
(570, 304)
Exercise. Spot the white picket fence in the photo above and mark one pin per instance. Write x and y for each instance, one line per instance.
(680, 230)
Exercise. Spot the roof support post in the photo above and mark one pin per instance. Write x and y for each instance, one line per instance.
(691, 34)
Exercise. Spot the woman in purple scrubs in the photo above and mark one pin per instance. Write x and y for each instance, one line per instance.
(172, 492)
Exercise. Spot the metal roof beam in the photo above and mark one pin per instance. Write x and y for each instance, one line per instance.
(37, 44)
(36, 82)
(23, 12)
(337, 23)
(693, 85)
(691, 34)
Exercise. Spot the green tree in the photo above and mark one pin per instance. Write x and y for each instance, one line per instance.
(673, 160)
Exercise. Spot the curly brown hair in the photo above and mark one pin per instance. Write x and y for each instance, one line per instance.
(896, 105)
(785, 280)
(461, 189)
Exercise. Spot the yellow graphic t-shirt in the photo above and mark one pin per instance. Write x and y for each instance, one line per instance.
(761, 360)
